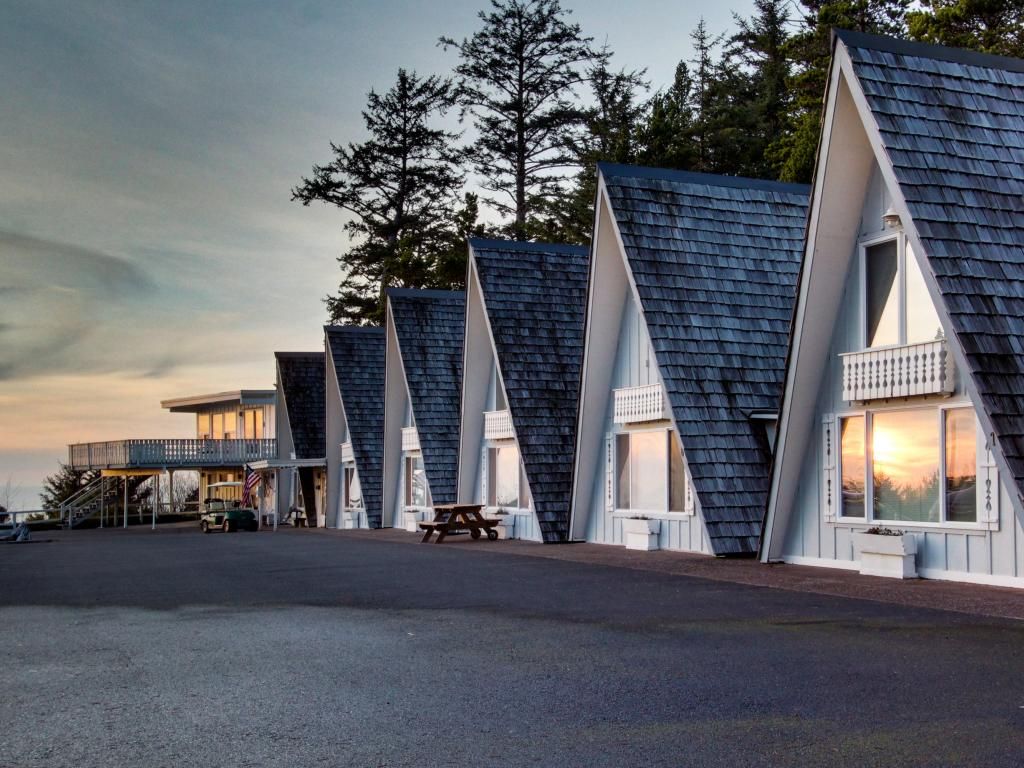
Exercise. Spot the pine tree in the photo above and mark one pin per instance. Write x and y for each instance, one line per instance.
(400, 185)
(759, 44)
(666, 138)
(810, 51)
(612, 134)
(990, 26)
(517, 78)
(63, 484)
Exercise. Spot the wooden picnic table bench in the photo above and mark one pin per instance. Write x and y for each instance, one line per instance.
(459, 518)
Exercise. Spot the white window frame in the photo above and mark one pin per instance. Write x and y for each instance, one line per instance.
(863, 244)
(406, 455)
(869, 520)
(492, 477)
(654, 514)
(344, 487)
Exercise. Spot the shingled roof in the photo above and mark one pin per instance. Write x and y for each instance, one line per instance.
(302, 386)
(358, 355)
(535, 298)
(952, 125)
(430, 327)
(715, 262)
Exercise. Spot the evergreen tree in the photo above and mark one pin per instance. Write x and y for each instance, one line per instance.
(666, 138)
(63, 484)
(612, 134)
(517, 77)
(400, 185)
(760, 45)
(810, 51)
(991, 26)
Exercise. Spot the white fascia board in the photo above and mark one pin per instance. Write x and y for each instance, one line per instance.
(788, 456)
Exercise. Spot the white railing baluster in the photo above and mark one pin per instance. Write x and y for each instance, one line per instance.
(636, 404)
(925, 368)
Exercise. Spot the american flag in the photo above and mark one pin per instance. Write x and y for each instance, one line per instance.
(251, 481)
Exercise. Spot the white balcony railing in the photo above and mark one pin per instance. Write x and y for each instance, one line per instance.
(634, 404)
(410, 439)
(153, 454)
(925, 368)
(498, 425)
(346, 453)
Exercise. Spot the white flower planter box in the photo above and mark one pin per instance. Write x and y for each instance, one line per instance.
(889, 556)
(411, 520)
(641, 534)
(506, 527)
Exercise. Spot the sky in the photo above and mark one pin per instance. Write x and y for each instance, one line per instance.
(148, 244)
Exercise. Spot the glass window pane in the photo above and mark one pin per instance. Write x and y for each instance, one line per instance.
(218, 426)
(852, 465)
(882, 300)
(492, 476)
(415, 482)
(506, 484)
(622, 471)
(525, 498)
(648, 468)
(203, 425)
(922, 319)
(961, 466)
(905, 466)
(677, 475)
(259, 423)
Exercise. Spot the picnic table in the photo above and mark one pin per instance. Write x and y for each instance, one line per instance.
(459, 518)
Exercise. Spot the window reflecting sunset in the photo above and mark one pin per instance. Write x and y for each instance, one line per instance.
(905, 465)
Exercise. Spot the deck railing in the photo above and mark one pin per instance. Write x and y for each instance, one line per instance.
(149, 454)
(925, 368)
(410, 439)
(635, 404)
(498, 425)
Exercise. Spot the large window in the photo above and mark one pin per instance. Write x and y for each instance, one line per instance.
(912, 466)
(203, 428)
(415, 482)
(897, 306)
(650, 474)
(252, 424)
(504, 477)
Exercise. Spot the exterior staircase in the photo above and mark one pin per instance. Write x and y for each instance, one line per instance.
(86, 504)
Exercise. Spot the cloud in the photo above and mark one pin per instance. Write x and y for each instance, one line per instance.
(55, 299)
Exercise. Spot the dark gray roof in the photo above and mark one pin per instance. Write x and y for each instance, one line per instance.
(302, 387)
(430, 329)
(358, 355)
(535, 296)
(952, 123)
(715, 262)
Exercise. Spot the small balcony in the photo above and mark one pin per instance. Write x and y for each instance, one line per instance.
(410, 439)
(910, 370)
(173, 454)
(637, 404)
(498, 425)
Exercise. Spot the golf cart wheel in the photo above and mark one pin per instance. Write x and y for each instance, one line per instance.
(475, 533)
(204, 526)
(492, 535)
(226, 527)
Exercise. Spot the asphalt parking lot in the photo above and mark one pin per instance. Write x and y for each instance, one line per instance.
(133, 648)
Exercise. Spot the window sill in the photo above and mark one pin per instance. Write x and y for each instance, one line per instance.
(859, 524)
(635, 513)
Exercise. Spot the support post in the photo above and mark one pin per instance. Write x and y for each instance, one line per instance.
(170, 490)
(125, 501)
(103, 498)
(156, 503)
(277, 495)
